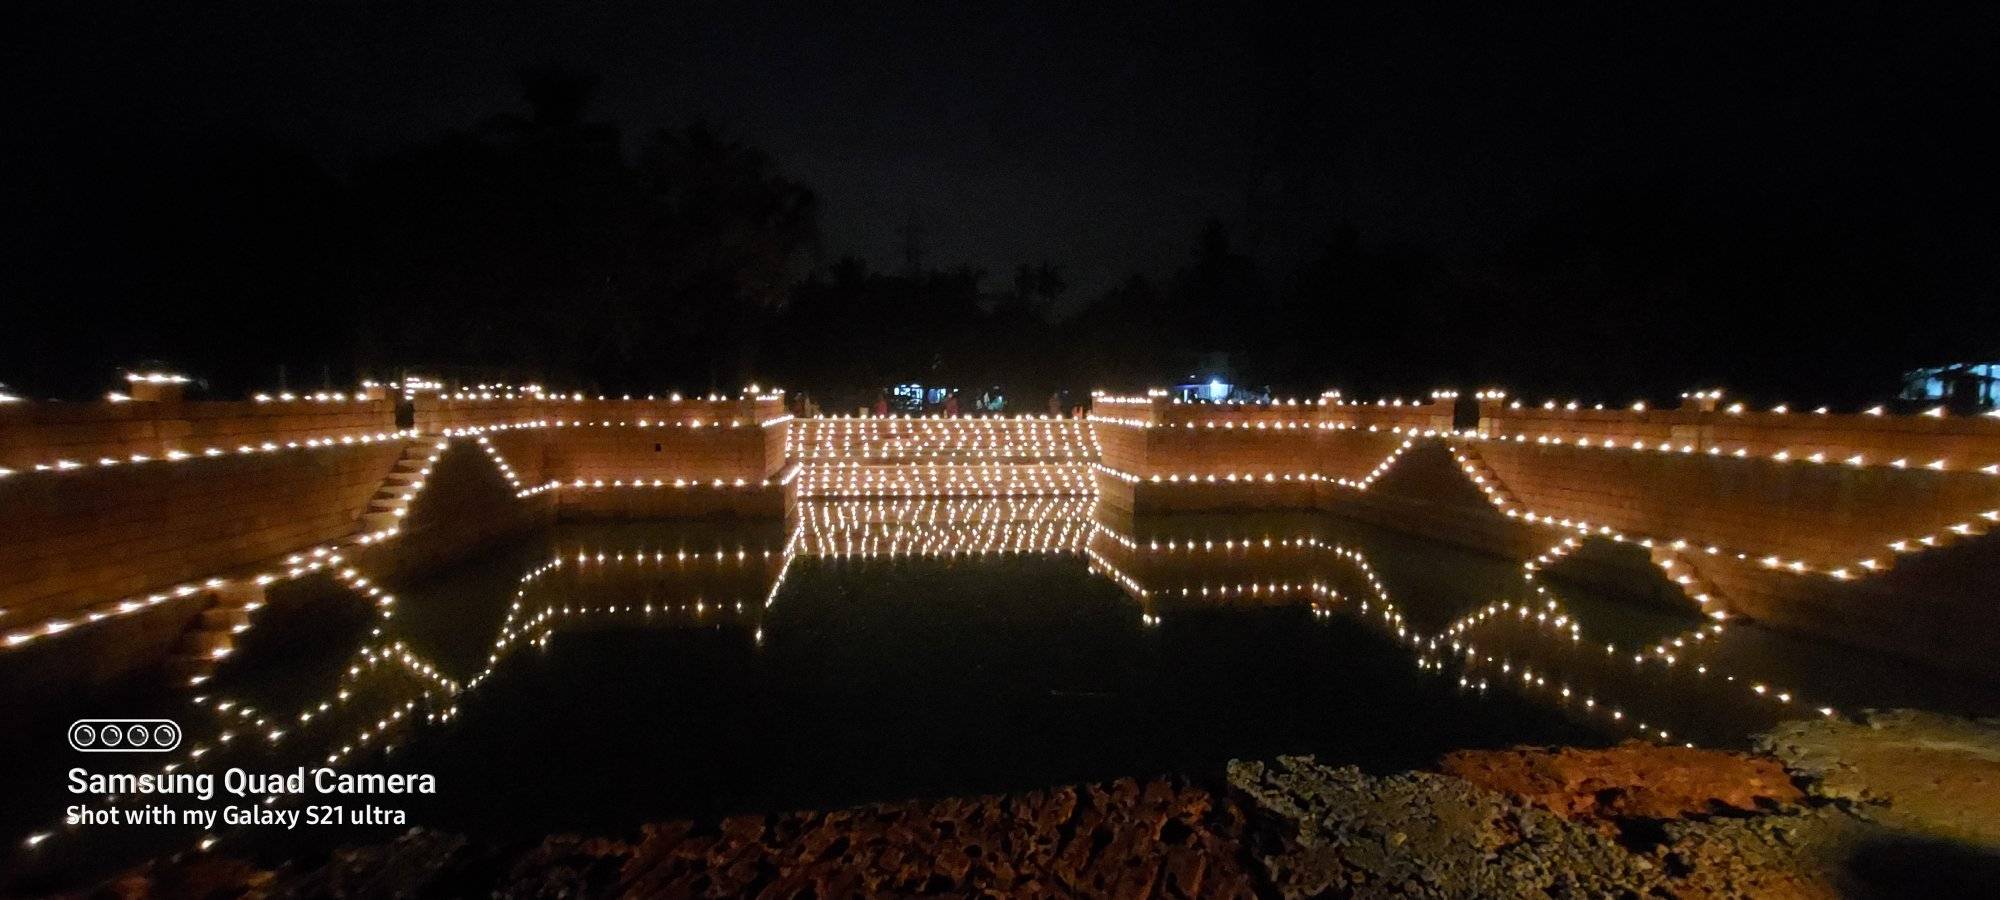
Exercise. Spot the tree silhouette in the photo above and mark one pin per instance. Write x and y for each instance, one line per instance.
(535, 242)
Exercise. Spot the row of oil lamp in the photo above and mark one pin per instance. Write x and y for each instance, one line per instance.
(1030, 485)
(1482, 477)
(514, 631)
(1785, 454)
(417, 386)
(1375, 472)
(1456, 634)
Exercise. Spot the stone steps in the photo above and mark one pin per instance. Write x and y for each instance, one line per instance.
(982, 480)
(400, 488)
(1484, 478)
(212, 636)
(1682, 569)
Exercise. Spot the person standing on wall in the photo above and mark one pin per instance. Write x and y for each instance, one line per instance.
(951, 405)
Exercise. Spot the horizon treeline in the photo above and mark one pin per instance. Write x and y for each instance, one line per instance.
(551, 247)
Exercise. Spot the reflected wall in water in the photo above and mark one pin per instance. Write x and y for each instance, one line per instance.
(928, 645)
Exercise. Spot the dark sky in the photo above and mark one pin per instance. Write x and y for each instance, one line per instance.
(1640, 196)
(1095, 137)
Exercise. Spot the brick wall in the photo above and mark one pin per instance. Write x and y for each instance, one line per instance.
(96, 533)
(1744, 482)
(526, 450)
(77, 539)
(42, 433)
(1165, 438)
(87, 534)
(222, 485)
(1964, 442)
(1433, 415)
(465, 506)
(1123, 447)
(435, 413)
(627, 439)
(1352, 453)
(1425, 493)
(1826, 515)
(660, 451)
(1937, 607)
(1308, 441)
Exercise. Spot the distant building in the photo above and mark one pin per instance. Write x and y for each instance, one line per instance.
(913, 397)
(1962, 385)
(916, 398)
(1214, 381)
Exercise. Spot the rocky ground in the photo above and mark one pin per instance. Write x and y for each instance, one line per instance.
(1897, 804)
(1122, 839)
(1429, 835)
(1924, 773)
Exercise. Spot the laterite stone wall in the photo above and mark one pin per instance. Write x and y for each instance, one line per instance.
(81, 538)
(42, 433)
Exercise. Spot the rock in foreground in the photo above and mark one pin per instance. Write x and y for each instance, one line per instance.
(1930, 774)
(1633, 781)
(1898, 805)
(1158, 838)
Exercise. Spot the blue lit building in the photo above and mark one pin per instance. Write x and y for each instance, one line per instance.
(1213, 381)
(1964, 385)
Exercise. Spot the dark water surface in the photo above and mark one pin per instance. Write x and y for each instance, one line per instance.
(597, 677)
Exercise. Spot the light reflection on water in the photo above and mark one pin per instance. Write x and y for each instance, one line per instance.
(602, 675)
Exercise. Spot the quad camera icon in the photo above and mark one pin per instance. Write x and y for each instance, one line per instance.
(124, 735)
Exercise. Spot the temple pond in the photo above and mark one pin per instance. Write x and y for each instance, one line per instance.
(599, 676)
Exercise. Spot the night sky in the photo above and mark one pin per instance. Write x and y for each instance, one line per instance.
(1097, 138)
